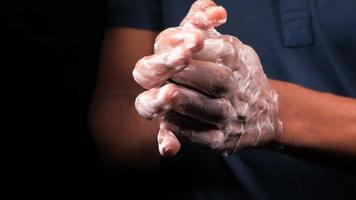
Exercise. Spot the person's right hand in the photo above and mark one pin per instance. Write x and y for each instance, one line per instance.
(207, 87)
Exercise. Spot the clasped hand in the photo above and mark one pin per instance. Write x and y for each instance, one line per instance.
(206, 87)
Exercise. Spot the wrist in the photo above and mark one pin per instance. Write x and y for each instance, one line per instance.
(297, 112)
(287, 112)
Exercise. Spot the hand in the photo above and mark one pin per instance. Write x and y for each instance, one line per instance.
(207, 88)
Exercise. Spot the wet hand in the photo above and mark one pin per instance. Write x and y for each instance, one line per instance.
(207, 88)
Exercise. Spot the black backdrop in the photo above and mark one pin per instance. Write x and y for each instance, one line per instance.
(52, 53)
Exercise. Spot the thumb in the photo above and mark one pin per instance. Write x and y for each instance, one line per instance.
(204, 14)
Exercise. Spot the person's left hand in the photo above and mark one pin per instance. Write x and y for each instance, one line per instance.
(208, 88)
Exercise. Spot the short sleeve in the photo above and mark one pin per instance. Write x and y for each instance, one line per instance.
(145, 14)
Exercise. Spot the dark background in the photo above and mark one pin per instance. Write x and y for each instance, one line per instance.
(50, 63)
(52, 54)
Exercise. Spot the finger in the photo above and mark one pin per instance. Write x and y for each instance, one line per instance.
(157, 101)
(168, 143)
(235, 132)
(252, 64)
(206, 77)
(249, 56)
(192, 130)
(152, 71)
(245, 60)
(170, 38)
(220, 49)
(248, 135)
(201, 5)
(216, 16)
(204, 15)
(174, 49)
(216, 50)
(194, 104)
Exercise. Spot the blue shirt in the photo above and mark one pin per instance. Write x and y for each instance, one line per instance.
(308, 42)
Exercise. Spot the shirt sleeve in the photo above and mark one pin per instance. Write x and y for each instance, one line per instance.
(144, 14)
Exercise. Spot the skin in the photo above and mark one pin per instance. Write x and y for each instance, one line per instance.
(311, 120)
(209, 88)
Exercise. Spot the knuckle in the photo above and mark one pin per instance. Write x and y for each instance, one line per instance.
(179, 56)
(168, 92)
(249, 49)
(223, 85)
(166, 33)
(225, 109)
(194, 41)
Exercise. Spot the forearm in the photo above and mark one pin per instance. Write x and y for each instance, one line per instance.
(121, 134)
(315, 120)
